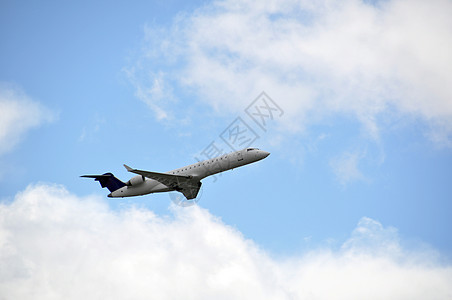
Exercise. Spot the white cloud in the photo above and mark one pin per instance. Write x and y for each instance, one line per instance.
(314, 59)
(18, 115)
(55, 245)
(88, 132)
(345, 167)
(153, 90)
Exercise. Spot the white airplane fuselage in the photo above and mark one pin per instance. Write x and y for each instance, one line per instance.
(140, 185)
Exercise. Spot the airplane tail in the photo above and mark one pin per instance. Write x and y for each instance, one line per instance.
(107, 180)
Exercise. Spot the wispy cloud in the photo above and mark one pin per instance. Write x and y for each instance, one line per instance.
(360, 58)
(92, 129)
(18, 114)
(346, 167)
(54, 244)
(153, 89)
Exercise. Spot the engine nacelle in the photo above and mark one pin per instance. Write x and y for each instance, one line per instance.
(136, 180)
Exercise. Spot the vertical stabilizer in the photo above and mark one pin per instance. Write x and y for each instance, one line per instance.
(107, 180)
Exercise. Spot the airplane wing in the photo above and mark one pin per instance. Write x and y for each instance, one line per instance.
(184, 184)
(191, 189)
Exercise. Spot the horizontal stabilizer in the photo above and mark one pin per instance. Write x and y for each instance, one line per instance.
(96, 176)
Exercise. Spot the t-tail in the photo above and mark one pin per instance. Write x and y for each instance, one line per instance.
(107, 180)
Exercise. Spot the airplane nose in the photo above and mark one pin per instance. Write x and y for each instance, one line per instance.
(261, 154)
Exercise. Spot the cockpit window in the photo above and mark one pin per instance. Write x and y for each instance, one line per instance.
(250, 149)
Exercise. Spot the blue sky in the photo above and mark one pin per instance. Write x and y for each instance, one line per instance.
(360, 157)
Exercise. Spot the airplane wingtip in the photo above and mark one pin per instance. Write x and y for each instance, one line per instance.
(128, 168)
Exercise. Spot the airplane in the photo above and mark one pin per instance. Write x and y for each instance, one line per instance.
(186, 180)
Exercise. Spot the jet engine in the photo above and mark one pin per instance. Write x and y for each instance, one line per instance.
(136, 180)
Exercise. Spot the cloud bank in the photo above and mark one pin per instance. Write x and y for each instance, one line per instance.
(18, 115)
(358, 58)
(55, 245)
